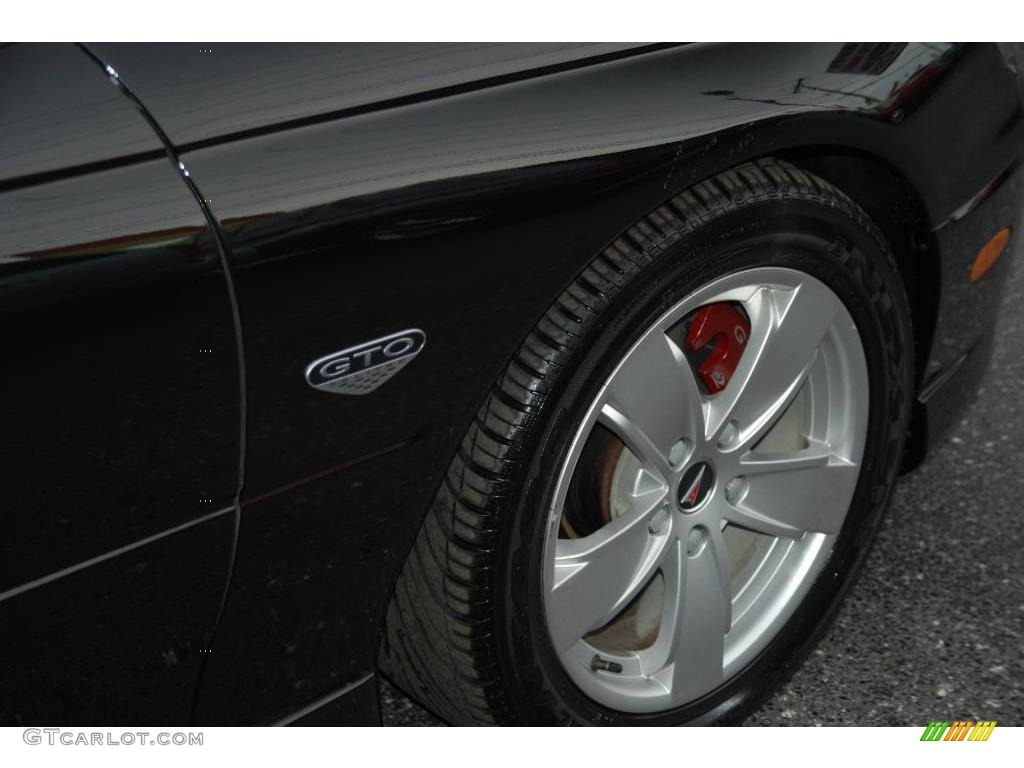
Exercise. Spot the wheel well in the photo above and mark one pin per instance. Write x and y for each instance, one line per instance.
(895, 207)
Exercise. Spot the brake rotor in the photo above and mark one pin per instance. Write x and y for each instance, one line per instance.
(589, 503)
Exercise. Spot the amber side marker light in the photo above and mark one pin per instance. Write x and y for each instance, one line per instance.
(989, 252)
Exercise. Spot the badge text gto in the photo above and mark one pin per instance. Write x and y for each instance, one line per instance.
(361, 369)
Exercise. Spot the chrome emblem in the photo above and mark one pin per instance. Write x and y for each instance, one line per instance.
(361, 369)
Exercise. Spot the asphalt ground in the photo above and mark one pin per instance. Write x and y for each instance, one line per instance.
(934, 628)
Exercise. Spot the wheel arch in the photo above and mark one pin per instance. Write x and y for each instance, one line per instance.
(898, 210)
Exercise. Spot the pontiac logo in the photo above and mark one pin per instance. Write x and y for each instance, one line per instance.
(695, 486)
(361, 369)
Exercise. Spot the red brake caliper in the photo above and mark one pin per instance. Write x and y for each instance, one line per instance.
(727, 330)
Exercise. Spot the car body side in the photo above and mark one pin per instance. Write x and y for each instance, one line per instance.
(463, 206)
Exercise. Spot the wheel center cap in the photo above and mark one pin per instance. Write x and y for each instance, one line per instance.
(695, 486)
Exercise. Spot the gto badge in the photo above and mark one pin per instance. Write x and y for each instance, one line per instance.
(361, 369)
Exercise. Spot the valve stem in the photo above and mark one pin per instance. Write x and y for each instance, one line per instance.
(604, 665)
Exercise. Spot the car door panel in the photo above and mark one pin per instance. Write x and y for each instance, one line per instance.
(120, 399)
(121, 418)
(119, 642)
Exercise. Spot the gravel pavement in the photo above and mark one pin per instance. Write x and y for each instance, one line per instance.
(934, 628)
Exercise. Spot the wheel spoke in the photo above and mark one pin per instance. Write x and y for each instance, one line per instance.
(596, 576)
(701, 586)
(789, 494)
(652, 401)
(787, 327)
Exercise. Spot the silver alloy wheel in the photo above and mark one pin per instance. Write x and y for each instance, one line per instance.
(780, 450)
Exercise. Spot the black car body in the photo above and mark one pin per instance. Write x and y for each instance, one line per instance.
(194, 534)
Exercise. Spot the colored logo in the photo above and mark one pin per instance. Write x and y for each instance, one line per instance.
(959, 730)
(695, 486)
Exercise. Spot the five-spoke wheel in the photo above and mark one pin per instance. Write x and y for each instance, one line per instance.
(709, 513)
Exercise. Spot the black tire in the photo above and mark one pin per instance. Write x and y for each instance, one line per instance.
(465, 631)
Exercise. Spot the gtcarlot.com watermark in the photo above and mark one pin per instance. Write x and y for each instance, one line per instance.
(55, 736)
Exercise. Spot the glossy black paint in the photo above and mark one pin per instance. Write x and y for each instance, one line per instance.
(119, 401)
(59, 117)
(120, 642)
(460, 199)
(966, 322)
(215, 92)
